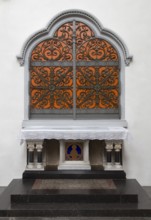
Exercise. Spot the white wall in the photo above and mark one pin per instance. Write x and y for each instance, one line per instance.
(131, 20)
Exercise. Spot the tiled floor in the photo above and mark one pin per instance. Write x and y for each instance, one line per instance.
(146, 188)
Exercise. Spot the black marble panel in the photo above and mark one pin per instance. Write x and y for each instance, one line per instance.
(75, 174)
(116, 194)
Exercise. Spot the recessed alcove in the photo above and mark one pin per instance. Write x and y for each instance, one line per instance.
(96, 154)
(51, 154)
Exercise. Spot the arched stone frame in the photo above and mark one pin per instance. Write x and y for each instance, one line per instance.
(100, 32)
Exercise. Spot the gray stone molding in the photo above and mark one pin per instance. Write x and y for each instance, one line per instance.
(75, 14)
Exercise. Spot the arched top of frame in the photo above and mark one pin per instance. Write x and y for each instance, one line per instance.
(68, 16)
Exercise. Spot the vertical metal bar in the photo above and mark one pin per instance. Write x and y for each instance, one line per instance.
(74, 69)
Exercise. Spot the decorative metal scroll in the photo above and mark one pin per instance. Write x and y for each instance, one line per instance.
(52, 49)
(74, 72)
(96, 49)
(97, 87)
(51, 87)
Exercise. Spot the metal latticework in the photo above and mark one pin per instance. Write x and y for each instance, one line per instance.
(74, 73)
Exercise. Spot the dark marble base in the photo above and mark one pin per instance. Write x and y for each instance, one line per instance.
(33, 204)
(75, 174)
(97, 167)
(120, 194)
(51, 168)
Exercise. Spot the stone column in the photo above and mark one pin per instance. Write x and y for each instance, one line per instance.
(118, 159)
(61, 153)
(39, 155)
(86, 152)
(30, 155)
(109, 149)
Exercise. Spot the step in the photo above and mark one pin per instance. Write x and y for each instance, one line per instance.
(74, 209)
(75, 174)
(73, 197)
(75, 190)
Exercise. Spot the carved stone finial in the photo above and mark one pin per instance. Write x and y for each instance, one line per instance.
(128, 60)
(20, 60)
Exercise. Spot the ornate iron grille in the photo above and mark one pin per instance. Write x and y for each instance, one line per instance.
(74, 73)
